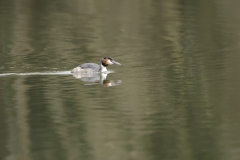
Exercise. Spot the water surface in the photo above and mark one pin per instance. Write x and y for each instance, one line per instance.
(175, 96)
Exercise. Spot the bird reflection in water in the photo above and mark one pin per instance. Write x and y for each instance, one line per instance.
(96, 78)
(111, 83)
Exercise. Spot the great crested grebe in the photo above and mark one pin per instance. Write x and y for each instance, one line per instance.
(93, 67)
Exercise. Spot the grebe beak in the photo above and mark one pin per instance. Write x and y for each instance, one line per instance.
(114, 62)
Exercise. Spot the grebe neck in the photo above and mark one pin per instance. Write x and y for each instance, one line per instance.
(102, 68)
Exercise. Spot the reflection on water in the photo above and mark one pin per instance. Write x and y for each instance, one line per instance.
(179, 82)
(94, 77)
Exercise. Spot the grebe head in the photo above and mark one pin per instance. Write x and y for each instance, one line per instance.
(106, 61)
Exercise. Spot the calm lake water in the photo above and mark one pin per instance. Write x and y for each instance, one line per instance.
(176, 95)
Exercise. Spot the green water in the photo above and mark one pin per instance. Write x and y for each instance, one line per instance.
(175, 96)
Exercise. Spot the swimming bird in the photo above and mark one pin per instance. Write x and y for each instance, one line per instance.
(86, 68)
